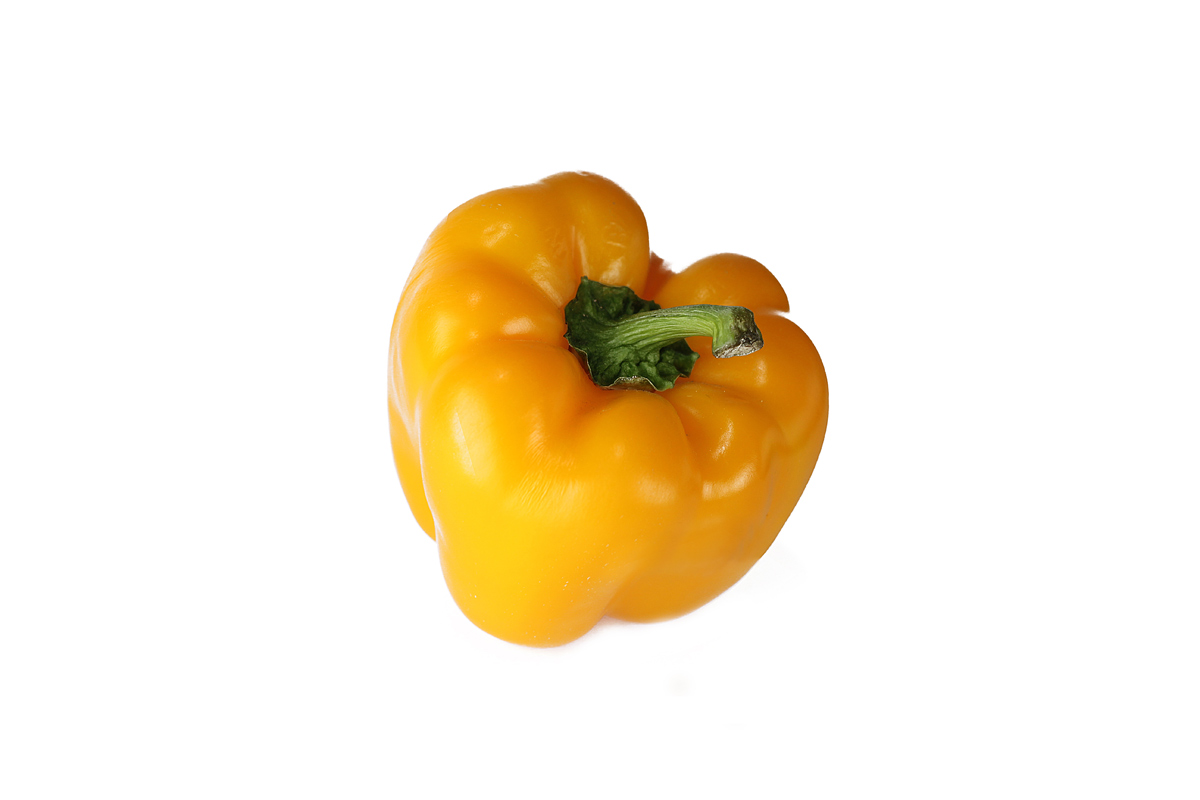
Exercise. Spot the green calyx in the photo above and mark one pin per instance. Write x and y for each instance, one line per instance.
(626, 341)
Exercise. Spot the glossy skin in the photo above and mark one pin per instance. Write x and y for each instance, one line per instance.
(555, 502)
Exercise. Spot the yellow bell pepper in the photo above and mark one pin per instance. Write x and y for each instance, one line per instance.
(556, 498)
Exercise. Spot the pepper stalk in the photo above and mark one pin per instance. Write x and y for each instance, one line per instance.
(626, 341)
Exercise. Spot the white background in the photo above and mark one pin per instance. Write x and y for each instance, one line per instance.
(987, 216)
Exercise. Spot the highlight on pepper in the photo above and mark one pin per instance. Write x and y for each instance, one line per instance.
(583, 432)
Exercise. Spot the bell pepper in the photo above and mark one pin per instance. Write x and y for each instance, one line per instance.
(614, 466)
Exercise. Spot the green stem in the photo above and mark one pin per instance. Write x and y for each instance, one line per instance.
(627, 341)
(732, 329)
